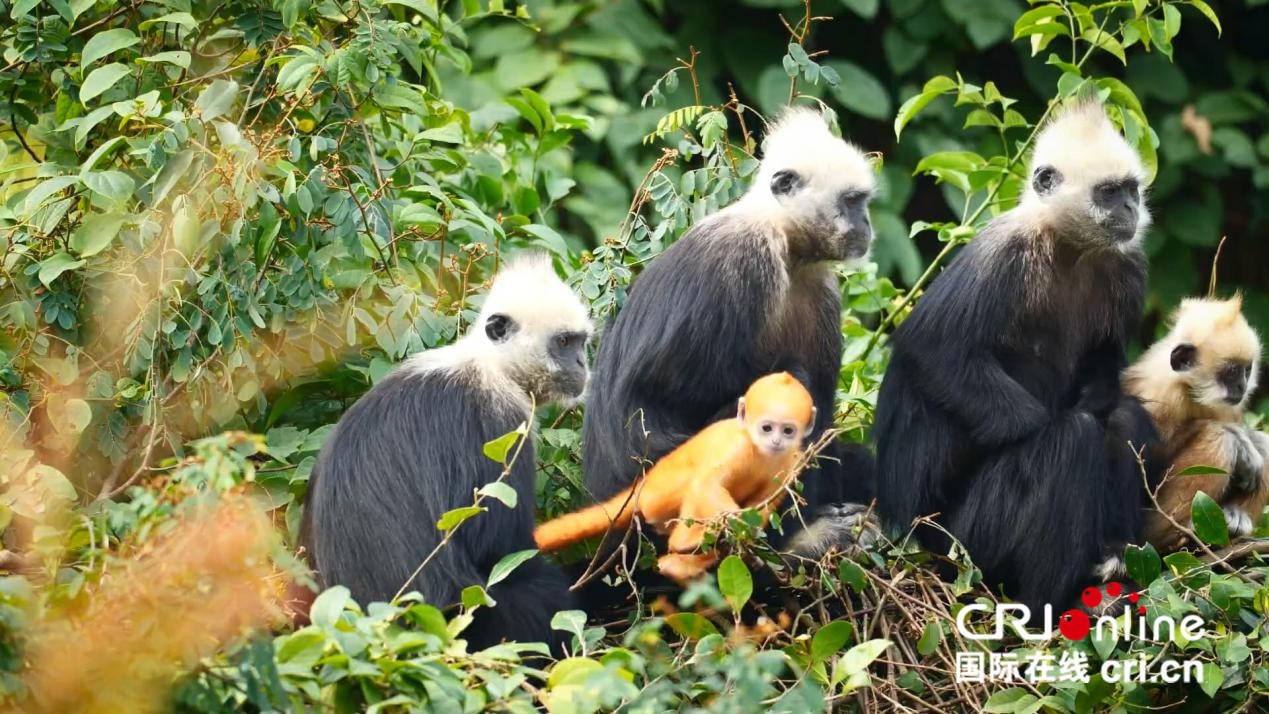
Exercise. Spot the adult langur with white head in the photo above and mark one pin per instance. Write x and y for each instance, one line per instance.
(411, 449)
(1001, 409)
(748, 291)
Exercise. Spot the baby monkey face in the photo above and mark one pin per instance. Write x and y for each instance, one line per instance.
(776, 436)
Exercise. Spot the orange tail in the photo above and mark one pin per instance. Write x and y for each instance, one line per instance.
(580, 525)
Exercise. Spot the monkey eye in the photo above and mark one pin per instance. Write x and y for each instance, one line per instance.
(785, 181)
(561, 341)
(1046, 179)
(766, 428)
(788, 431)
(499, 327)
(1184, 357)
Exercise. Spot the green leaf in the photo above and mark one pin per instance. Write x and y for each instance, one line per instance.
(1209, 520)
(96, 233)
(114, 185)
(857, 658)
(1105, 41)
(451, 519)
(78, 415)
(1212, 679)
(56, 264)
(1143, 563)
(500, 491)
(216, 99)
(475, 596)
(735, 582)
(931, 636)
(851, 574)
(180, 58)
(45, 189)
(690, 625)
(500, 448)
(932, 89)
(101, 79)
(572, 671)
(548, 238)
(507, 564)
(1014, 699)
(1202, 471)
(184, 19)
(329, 606)
(1208, 12)
(103, 43)
(829, 639)
(1182, 562)
(859, 91)
(866, 9)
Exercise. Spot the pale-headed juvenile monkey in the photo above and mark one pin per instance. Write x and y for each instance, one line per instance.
(730, 465)
(1195, 382)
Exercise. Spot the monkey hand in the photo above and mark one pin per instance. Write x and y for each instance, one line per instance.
(1239, 521)
(1099, 398)
(1019, 421)
(682, 567)
(1247, 460)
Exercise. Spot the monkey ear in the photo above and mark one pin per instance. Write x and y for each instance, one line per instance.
(785, 181)
(1184, 357)
(740, 410)
(499, 327)
(811, 424)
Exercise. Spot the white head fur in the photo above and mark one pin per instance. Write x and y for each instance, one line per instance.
(529, 341)
(814, 187)
(1077, 155)
(1210, 358)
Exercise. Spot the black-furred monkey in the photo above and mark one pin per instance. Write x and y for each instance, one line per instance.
(411, 449)
(1001, 409)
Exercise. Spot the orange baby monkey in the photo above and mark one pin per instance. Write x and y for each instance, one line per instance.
(728, 466)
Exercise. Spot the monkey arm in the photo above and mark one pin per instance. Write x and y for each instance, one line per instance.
(709, 498)
(947, 346)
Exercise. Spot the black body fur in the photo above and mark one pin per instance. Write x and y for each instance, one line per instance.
(1001, 410)
(403, 455)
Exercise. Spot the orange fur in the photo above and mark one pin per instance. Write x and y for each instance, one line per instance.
(721, 469)
(1194, 423)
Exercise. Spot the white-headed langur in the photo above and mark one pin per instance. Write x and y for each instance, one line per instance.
(747, 291)
(411, 449)
(1001, 409)
(1196, 383)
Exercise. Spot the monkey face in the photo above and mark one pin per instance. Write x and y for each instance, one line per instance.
(1214, 381)
(826, 220)
(1214, 352)
(1088, 180)
(775, 436)
(551, 368)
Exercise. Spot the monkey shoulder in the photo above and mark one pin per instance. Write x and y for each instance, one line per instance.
(976, 296)
(415, 425)
(705, 451)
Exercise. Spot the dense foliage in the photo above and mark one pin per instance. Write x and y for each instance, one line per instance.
(230, 217)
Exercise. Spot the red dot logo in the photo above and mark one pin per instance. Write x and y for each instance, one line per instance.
(1092, 597)
(1073, 624)
(1142, 609)
(1133, 597)
(1113, 589)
